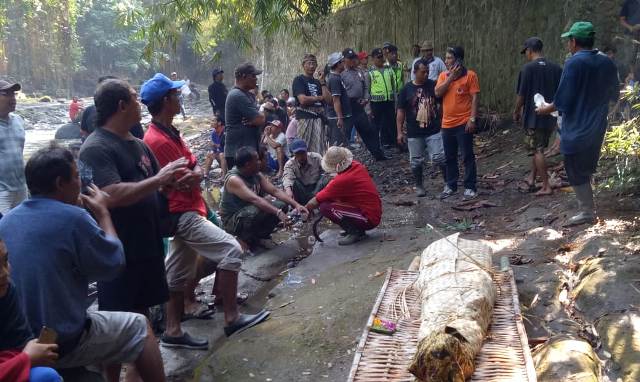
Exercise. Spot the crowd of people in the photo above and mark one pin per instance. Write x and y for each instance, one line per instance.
(103, 215)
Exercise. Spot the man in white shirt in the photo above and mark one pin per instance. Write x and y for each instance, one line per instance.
(436, 65)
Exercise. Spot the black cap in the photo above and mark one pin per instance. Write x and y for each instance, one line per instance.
(392, 48)
(217, 71)
(386, 44)
(246, 68)
(349, 53)
(8, 86)
(533, 43)
(376, 52)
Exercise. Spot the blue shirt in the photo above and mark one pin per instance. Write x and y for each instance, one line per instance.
(55, 250)
(589, 81)
(218, 141)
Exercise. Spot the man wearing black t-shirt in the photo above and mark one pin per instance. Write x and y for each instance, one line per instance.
(311, 95)
(243, 120)
(125, 168)
(218, 94)
(537, 76)
(417, 106)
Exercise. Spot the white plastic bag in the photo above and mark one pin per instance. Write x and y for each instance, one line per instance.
(539, 101)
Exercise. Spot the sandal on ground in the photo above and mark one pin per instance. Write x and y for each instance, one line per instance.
(185, 341)
(203, 312)
(245, 321)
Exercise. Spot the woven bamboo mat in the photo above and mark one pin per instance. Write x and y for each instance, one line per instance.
(504, 356)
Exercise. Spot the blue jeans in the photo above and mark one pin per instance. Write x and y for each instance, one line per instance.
(455, 138)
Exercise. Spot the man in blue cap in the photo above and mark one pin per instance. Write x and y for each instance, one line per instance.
(589, 82)
(218, 94)
(194, 234)
(303, 175)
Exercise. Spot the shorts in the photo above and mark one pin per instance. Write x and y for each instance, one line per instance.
(139, 286)
(538, 138)
(428, 146)
(112, 337)
(581, 165)
(198, 236)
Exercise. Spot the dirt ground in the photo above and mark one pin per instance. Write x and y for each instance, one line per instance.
(578, 288)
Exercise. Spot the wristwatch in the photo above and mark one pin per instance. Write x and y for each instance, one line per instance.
(472, 119)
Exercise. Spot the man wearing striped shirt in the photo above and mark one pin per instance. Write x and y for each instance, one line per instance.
(13, 189)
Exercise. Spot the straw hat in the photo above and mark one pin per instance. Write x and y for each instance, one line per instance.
(337, 159)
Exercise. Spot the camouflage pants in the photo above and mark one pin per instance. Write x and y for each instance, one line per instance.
(250, 223)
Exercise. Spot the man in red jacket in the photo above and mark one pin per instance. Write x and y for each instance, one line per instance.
(351, 199)
(194, 234)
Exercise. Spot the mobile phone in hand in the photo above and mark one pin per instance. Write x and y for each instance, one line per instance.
(47, 336)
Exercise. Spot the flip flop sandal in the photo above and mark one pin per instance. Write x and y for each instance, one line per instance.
(245, 321)
(203, 312)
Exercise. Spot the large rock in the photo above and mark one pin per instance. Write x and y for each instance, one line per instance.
(68, 131)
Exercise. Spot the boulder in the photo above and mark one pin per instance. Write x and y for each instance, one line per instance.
(68, 131)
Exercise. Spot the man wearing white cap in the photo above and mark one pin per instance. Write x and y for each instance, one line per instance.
(13, 188)
(351, 199)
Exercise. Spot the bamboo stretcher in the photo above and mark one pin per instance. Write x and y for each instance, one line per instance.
(505, 354)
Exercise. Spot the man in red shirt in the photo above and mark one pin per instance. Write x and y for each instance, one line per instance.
(194, 233)
(75, 107)
(351, 199)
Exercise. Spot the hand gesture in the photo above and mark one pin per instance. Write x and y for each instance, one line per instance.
(516, 116)
(286, 222)
(340, 123)
(402, 139)
(41, 354)
(190, 179)
(470, 128)
(302, 210)
(320, 74)
(456, 71)
(96, 200)
(166, 175)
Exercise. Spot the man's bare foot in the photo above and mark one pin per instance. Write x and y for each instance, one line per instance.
(545, 191)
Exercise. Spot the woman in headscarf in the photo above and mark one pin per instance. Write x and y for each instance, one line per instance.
(351, 199)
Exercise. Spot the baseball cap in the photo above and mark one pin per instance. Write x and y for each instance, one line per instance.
(8, 86)
(386, 44)
(246, 68)
(376, 52)
(297, 146)
(533, 43)
(216, 71)
(392, 48)
(426, 45)
(276, 122)
(349, 53)
(363, 54)
(580, 29)
(155, 88)
(334, 58)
